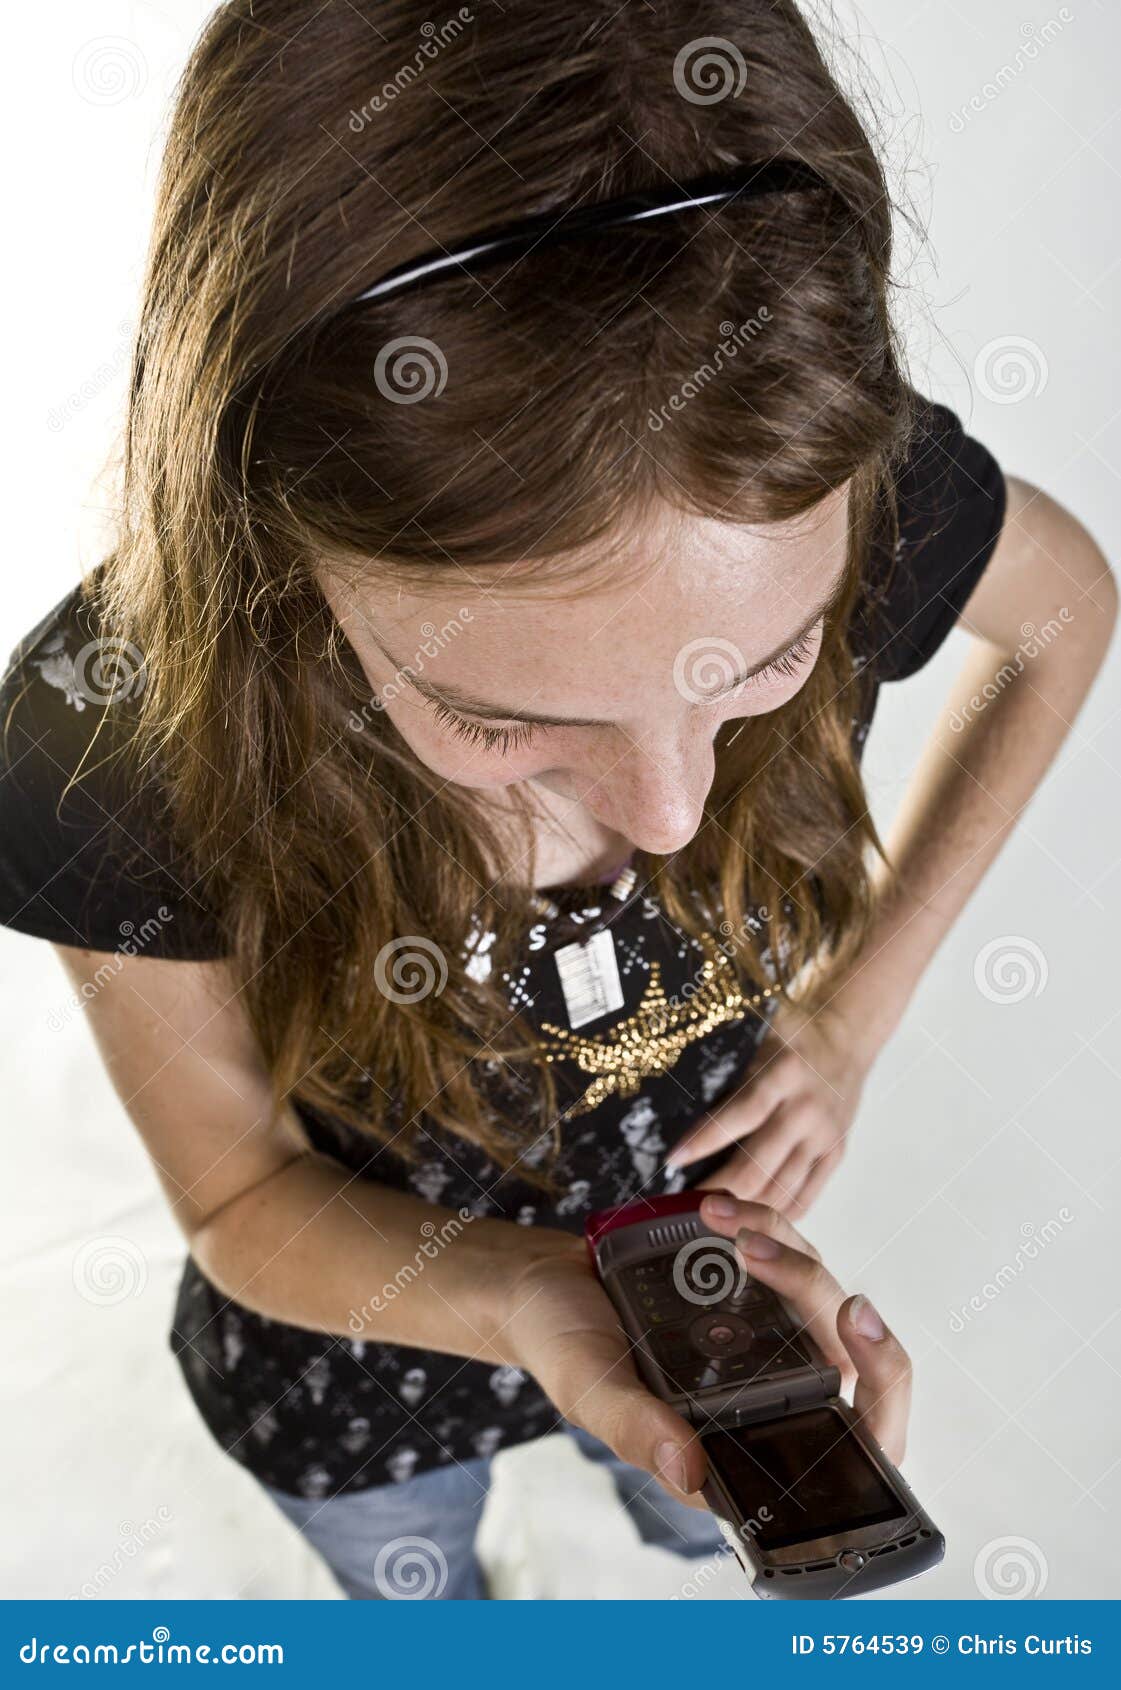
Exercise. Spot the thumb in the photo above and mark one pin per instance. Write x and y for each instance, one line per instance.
(882, 1397)
(606, 1397)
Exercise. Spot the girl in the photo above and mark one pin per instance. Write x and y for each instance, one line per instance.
(474, 596)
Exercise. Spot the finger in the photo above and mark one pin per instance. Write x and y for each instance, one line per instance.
(812, 1293)
(593, 1381)
(745, 1114)
(815, 1179)
(782, 1191)
(727, 1215)
(737, 1174)
(882, 1397)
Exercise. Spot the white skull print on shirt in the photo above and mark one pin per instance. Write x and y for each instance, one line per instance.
(401, 1463)
(413, 1385)
(506, 1382)
(640, 1128)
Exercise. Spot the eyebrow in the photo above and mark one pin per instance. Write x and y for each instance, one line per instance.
(457, 699)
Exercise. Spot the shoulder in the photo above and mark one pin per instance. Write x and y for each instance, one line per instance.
(85, 859)
(951, 499)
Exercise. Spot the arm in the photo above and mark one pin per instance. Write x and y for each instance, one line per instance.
(1042, 616)
(294, 1236)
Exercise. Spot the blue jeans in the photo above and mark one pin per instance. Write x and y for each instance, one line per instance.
(417, 1539)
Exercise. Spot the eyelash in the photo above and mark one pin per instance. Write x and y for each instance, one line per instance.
(477, 733)
(514, 739)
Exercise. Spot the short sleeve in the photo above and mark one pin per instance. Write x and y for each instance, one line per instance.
(83, 861)
(951, 498)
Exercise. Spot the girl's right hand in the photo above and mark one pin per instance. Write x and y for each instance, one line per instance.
(563, 1329)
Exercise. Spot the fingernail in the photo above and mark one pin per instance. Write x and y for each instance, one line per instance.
(672, 1169)
(757, 1244)
(722, 1206)
(866, 1320)
(669, 1458)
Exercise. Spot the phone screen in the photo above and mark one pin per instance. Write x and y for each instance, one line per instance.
(801, 1478)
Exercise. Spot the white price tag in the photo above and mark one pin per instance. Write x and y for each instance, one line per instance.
(589, 977)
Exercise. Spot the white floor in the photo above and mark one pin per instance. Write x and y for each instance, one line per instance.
(986, 1123)
(986, 1152)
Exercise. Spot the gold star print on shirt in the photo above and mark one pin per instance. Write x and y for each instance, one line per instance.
(653, 1038)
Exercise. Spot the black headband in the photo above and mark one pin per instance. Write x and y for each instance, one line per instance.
(514, 240)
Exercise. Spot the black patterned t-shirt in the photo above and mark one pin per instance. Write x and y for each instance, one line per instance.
(81, 865)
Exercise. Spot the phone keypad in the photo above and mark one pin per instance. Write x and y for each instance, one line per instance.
(702, 1345)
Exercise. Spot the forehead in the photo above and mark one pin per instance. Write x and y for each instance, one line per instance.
(626, 613)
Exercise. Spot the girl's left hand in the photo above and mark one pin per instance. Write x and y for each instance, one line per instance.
(874, 1367)
(786, 1125)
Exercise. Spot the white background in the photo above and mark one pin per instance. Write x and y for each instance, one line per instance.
(984, 1120)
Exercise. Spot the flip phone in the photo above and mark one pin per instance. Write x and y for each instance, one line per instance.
(806, 1498)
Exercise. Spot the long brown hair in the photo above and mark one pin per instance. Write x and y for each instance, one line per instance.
(309, 152)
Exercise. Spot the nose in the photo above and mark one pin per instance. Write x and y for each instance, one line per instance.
(654, 793)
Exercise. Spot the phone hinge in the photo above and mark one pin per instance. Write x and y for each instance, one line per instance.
(806, 1390)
